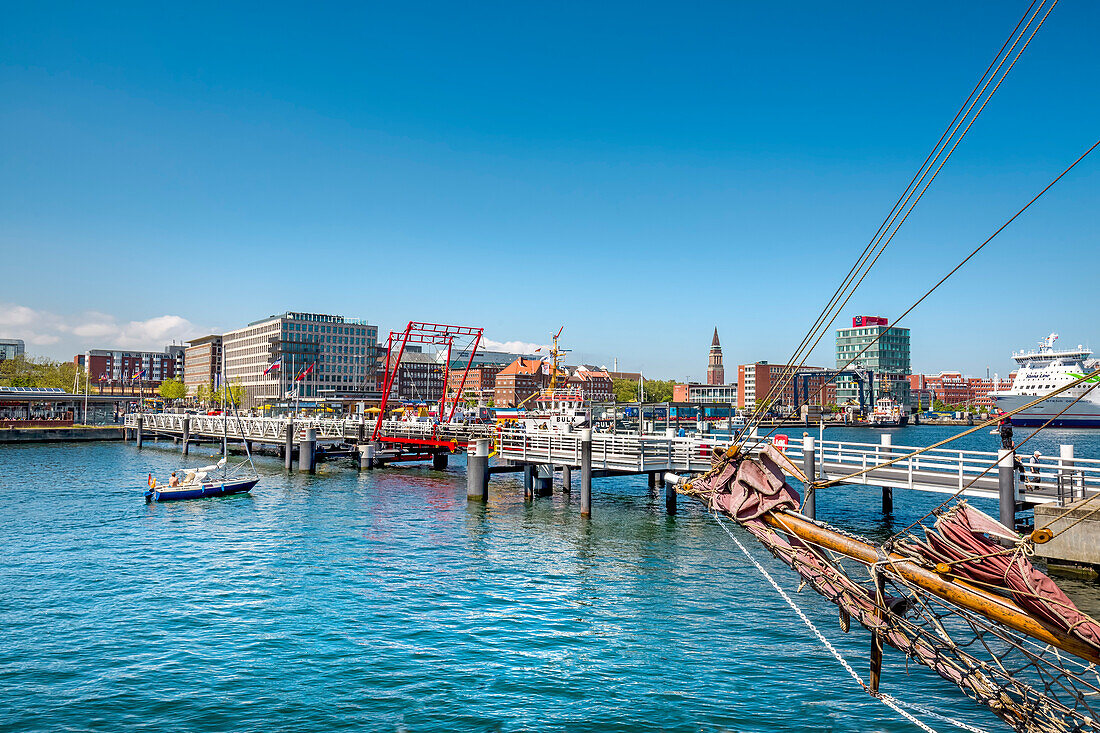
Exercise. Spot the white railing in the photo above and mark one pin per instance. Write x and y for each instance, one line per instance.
(944, 470)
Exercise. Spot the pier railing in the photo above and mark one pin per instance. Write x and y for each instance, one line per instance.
(942, 470)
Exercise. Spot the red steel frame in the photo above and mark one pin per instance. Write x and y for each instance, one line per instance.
(438, 334)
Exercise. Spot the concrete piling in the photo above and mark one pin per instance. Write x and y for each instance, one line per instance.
(544, 479)
(566, 478)
(887, 492)
(186, 435)
(138, 432)
(586, 472)
(670, 498)
(477, 470)
(288, 446)
(307, 457)
(809, 467)
(439, 461)
(1006, 485)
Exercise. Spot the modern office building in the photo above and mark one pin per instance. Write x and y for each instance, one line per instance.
(319, 355)
(202, 362)
(11, 348)
(887, 357)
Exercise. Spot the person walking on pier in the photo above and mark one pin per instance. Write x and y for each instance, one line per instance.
(1005, 429)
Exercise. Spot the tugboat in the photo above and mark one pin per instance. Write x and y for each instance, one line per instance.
(888, 414)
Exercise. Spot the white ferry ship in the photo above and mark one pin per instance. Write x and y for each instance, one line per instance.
(1044, 370)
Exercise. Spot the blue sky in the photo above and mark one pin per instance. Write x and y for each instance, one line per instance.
(637, 172)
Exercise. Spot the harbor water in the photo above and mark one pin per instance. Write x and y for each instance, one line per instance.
(383, 601)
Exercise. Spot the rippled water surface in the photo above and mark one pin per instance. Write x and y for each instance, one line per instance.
(383, 601)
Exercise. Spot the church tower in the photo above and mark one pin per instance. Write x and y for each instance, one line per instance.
(716, 373)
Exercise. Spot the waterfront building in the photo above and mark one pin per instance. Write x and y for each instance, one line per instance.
(29, 407)
(629, 376)
(480, 382)
(419, 376)
(888, 358)
(756, 381)
(119, 372)
(202, 362)
(333, 355)
(11, 348)
(593, 383)
(952, 388)
(726, 394)
(518, 381)
(716, 373)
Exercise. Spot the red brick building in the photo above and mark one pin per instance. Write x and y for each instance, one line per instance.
(127, 372)
(518, 381)
(755, 381)
(954, 389)
(480, 382)
(595, 385)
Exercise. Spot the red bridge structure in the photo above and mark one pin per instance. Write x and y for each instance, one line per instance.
(436, 334)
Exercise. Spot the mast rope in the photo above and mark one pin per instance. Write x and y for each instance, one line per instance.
(883, 237)
(890, 701)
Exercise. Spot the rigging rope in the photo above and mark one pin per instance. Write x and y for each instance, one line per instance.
(888, 700)
(883, 240)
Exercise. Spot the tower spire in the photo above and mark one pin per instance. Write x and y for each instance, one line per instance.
(714, 341)
(716, 373)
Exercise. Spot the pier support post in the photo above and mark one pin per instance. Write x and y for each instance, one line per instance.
(544, 479)
(652, 480)
(670, 498)
(186, 435)
(1065, 465)
(528, 480)
(566, 478)
(288, 446)
(439, 461)
(887, 492)
(477, 470)
(307, 459)
(809, 467)
(1006, 485)
(586, 472)
(138, 432)
(366, 456)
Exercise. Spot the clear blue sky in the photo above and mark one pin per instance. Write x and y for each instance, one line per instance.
(638, 172)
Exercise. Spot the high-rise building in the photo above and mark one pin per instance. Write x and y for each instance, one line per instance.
(331, 355)
(716, 373)
(887, 357)
(11, 348)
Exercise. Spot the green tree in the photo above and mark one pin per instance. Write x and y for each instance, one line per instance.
(172, 389)
(625, 390)
(658, 390)
(41, 372)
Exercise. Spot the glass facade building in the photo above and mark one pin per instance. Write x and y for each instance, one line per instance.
(888, 358)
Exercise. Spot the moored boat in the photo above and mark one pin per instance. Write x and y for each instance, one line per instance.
(1044, 370)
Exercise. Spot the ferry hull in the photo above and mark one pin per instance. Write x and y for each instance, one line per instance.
(1080, 415)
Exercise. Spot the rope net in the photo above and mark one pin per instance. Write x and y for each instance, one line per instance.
(1029, 680)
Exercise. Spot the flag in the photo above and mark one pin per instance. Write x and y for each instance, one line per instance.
(217, 381)
(140, 374)
(273, 366)
(302, 374)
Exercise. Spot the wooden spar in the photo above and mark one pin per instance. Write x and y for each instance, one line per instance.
(1000, 609)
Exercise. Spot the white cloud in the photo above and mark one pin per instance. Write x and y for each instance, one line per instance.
(515, 347)
(92, 329)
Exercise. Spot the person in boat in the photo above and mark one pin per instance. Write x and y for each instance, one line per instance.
(174, 480)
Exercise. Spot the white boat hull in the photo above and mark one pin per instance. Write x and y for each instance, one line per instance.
(1083, 414)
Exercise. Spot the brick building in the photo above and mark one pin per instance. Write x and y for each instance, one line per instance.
(480, 382)
(953, 389)
(518, 381)
(755, 382)
(716, 372)
(126, 372)
(594, 384)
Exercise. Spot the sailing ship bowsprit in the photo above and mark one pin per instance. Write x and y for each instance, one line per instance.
(963, 600)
